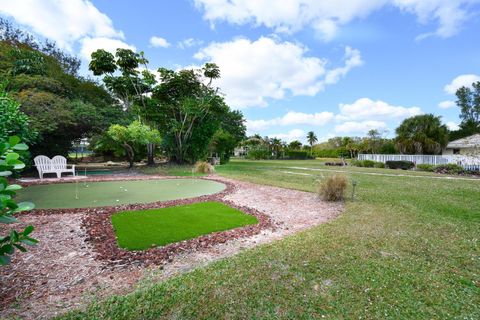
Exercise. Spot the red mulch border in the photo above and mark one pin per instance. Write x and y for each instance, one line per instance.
(100, 234)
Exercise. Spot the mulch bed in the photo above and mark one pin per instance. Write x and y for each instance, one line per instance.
(98, 226)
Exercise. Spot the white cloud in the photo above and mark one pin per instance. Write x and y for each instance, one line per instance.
(295, 134)
(62, 21)
(159, 42)
(449, 14)
(360, 127)
(188, 43)
(352, 59)
(368, 109)
(327, 16)
(464, 80)
(447, 104)
(89, 45)
(292, 118)
(452, 126)
(254, 71)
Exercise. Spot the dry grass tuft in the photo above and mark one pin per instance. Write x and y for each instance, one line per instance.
(333, 188)
(203, 167)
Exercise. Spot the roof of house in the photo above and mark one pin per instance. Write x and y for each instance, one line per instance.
(467, 142)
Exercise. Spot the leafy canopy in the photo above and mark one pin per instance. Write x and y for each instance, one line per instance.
(422, 134)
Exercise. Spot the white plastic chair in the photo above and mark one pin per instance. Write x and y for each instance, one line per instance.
(57, 165)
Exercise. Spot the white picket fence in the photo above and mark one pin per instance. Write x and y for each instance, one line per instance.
(467, 162)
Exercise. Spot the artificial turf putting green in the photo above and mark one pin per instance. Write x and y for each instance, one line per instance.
(110, 193)
(142, 229)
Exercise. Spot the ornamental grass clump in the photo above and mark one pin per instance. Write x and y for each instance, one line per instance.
(204, 167)
(333, 188)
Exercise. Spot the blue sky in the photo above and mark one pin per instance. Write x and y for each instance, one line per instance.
(337, 68)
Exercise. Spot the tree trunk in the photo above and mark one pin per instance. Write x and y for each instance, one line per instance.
(130, 155)
(150, 154)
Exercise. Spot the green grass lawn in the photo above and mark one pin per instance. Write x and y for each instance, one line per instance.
(406, 248)
(96, 194)
(139, 230)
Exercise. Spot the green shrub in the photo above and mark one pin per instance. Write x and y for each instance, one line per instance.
(379, 165)
(259, 154)
(298, 154)
(9, 162)
(203, 167)
(449, 168)
(426, 167)
(331, 153)
(335, 163)
(368, 164)
(404, 165)
(333, 188)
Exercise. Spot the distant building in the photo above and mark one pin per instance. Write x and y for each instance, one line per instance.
(466, 146)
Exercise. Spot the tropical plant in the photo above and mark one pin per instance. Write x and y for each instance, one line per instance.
(422, 134)
(10, 162)
(12, 120)
(133, 135)
(295, 145)
(187, 111)
(231, 133)
(311, 138)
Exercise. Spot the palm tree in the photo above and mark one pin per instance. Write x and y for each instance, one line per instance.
(295, 145)
(277, 146)
(423, 134)
(312, 138)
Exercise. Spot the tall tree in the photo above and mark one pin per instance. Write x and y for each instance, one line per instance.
(374, 140)
(468, 100)
(295, 145)
(311, 138)
(123, 78)
(422, 134)
(231, 133)
(187, 110)
(62, 106)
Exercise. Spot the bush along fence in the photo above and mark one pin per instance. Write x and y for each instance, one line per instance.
(470, 163)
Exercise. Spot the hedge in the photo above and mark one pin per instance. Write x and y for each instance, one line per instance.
(368, 164)
(298, 154)
(404, 165)
(331, 153)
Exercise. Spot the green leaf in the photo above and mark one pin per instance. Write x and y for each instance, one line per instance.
(17, 164)
(11, 156)
(13, 187)
(8, 249)
(11, 204)
(4, 260)
(7, 219)
(29, 242)
(8, 192)
(24, 206)
(20, 147)
(13, 140)
(14, 236)
(5, 173)
(19, 247)
(28, 230)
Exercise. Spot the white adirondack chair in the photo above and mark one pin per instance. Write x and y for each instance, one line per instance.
(57, 165)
